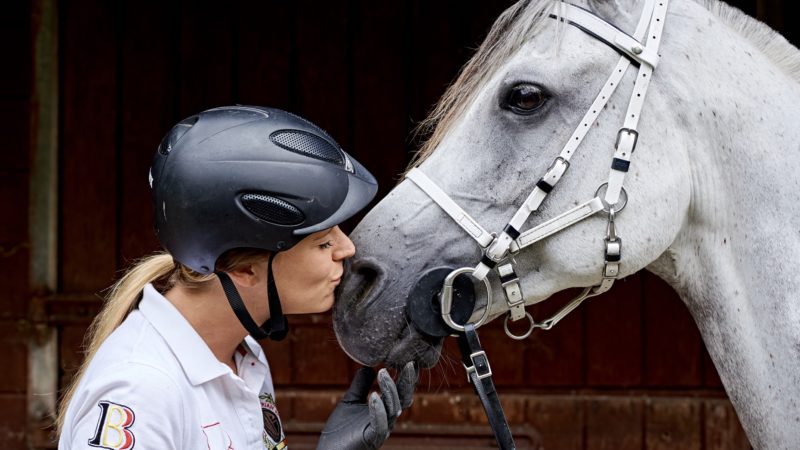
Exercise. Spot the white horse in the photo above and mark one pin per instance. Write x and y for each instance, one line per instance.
(712, 190)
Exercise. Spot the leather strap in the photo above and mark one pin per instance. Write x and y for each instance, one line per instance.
(276, 327)
(479, 374)
(464, 220)
(609, 34)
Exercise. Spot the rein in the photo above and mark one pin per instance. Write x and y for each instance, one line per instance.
(610, 197)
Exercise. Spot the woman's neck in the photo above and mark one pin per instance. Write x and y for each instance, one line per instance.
(209, 313)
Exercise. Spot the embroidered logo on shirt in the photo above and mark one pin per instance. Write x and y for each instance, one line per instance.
(113, 429)
(273, 430)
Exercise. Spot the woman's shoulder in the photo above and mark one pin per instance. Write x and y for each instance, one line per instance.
(137, 344)
(113, 397)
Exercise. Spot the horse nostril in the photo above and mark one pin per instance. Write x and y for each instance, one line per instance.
(363, 276)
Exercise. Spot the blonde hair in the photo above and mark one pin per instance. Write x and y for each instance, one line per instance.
(164, 273)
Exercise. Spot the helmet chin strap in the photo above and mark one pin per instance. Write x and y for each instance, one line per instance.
(276, 326)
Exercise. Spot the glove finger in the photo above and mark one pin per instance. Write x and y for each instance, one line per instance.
(406, 383)
(391, 401)
(359, 388)
(378, 429)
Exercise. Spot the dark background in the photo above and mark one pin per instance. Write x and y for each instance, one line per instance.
(89, 88)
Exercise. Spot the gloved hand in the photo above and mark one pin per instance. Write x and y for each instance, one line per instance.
(354, 425)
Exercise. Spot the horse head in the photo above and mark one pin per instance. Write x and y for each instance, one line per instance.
(697, 185)
(500, 127)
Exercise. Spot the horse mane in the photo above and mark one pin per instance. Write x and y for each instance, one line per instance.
(517, 24)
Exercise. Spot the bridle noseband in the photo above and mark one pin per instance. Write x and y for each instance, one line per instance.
(610, 197)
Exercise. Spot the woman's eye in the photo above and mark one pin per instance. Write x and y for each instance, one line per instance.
(525, 98)
(328, 244)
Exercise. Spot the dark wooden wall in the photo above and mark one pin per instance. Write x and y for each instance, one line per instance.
(628, 370)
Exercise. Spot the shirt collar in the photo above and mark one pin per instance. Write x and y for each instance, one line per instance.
(198, 362)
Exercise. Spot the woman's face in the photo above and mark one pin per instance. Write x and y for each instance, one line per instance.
(307, 274)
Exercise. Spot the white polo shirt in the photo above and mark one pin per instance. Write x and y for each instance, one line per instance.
(154, 384)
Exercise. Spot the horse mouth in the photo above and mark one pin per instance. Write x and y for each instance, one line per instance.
(413, 346)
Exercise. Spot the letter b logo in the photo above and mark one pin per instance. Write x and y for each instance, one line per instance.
(113, 429)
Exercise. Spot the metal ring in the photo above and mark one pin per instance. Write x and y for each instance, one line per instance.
(623, 198)
(447, 298)
(521, 336)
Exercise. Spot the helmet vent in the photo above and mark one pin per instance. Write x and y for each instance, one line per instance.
(272, 210)
(307, 144)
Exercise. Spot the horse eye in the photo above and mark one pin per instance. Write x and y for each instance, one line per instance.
(525, 99)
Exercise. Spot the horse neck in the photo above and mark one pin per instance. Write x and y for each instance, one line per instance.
(735, 262)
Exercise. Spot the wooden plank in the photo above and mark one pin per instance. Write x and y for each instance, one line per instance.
(448, 373)
(559, 419)
(279, 356)
(15, 46)
(14, 192)
(441, 408)
(264, 54)
(380, 115)
(722, 427)
(14, 246)
(711, 377)
(673, 423)
(322, 74)
(439, 45)
(89, 183)
(317, 358)
(12, 421)
(481, 16)
(14, 115)
(70, 351)
(205, 69)
(614, 423)
(506, 356)
(13, 341)
(148, 101)
(556, 357)
(614, 335)
(673, 349)
(791, 33)
(308, 406)
(14, 265)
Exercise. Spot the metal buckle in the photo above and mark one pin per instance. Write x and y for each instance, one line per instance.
(629, 131)
(558, 161)
(446, 298)
(486, 372)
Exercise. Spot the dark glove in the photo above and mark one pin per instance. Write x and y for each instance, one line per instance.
(355, 425)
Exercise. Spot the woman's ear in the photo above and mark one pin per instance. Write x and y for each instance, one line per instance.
(250, 275)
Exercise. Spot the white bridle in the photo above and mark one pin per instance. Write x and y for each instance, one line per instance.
(609, 197)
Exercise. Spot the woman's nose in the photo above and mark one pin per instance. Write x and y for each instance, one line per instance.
(344, 246)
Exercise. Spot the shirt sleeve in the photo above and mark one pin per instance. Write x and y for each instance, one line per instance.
(129, 405)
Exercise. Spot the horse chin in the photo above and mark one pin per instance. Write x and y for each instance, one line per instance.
(412, 346)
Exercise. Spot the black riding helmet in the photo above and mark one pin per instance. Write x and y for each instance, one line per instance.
(255, 177)
(250, 177)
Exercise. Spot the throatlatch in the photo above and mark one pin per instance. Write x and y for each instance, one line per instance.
(640, 49)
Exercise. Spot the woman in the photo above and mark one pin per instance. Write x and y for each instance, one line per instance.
(247, 202)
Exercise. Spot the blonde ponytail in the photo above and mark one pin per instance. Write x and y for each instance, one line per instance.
(164, 273)
(122, 299)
